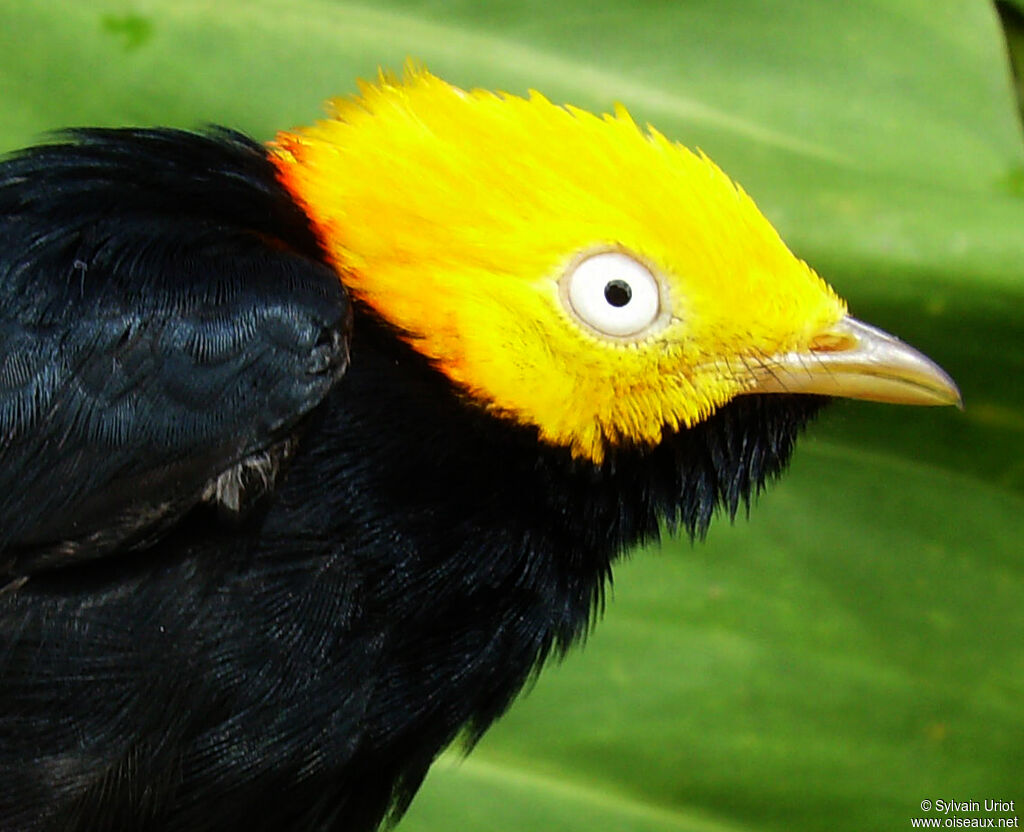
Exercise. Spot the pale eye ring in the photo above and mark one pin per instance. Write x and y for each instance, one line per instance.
(613, 294)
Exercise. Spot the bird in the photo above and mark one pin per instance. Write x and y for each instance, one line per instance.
(313, 452)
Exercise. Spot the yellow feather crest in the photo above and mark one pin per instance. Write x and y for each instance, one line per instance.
(456, 215)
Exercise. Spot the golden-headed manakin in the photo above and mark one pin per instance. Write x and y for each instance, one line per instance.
(249, 583)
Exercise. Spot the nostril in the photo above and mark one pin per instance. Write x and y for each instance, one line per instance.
(832, 342)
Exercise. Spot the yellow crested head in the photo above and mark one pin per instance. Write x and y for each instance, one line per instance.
(574, 272)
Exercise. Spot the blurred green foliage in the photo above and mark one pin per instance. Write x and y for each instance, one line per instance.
(858, 645)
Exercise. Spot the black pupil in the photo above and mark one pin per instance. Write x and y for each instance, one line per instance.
(617, 292)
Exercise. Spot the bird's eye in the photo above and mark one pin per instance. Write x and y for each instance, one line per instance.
(613, 293)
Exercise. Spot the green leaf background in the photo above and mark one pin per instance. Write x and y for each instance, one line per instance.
(857, 646)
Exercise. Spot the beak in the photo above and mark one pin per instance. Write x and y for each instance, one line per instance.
(857, 361)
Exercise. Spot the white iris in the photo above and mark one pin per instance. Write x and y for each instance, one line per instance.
(613, 294)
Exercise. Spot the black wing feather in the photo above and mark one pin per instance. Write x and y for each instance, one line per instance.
(166, 319)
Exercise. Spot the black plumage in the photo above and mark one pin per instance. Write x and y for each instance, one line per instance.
(244, 587)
